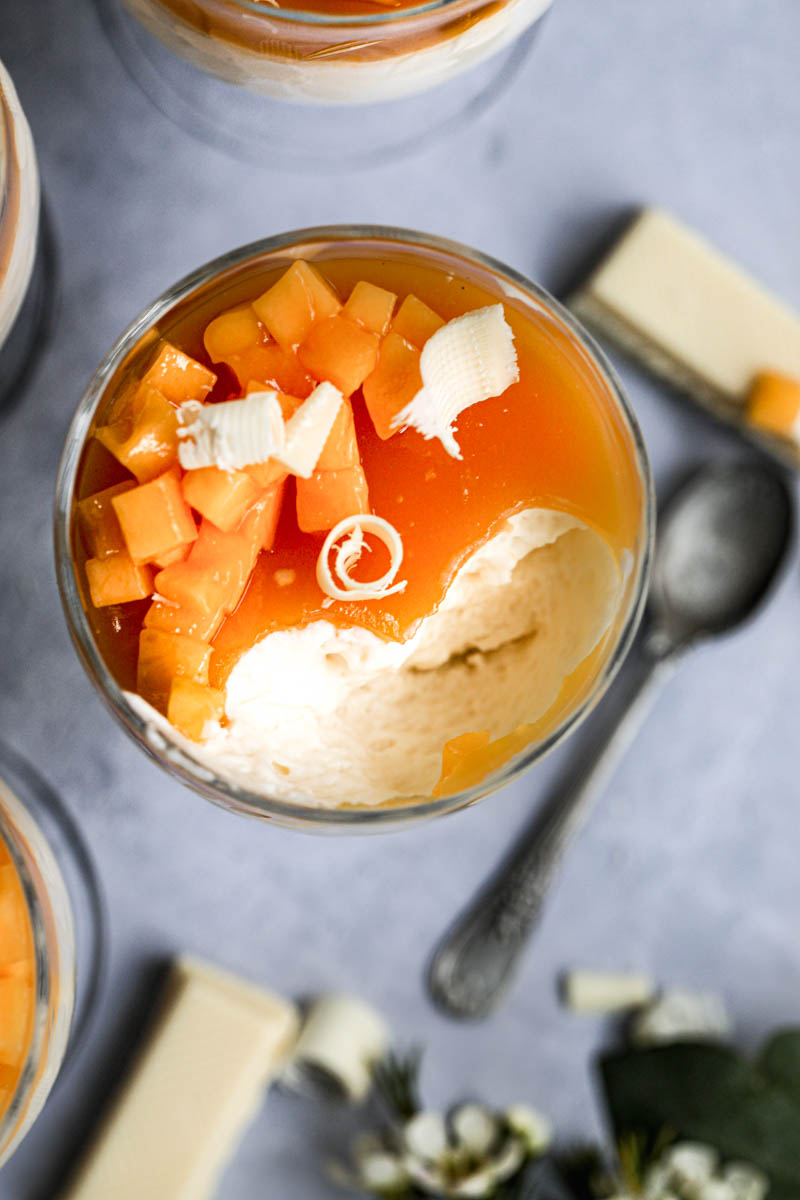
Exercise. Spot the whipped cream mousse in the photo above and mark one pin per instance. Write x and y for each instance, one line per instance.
(324, 55)
(359, 536)
(19, 205)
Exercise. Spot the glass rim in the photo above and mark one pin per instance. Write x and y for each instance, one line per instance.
(200, 778)
(394, 17)
(13, 1120)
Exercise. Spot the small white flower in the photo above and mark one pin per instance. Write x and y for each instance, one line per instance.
(691, 1163)
(748, 1182)
(530, 1126)
(425, 1136)
(677, 1016)
(474, 1128)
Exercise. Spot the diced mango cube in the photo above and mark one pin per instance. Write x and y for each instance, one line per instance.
(291, 306)
(192, 705)
(416, 322)
(221, 496)
(773, 405)
(233, 332)
(458, 749)
(188, 622)
(178, 555)
(117, 579)
(16, 1008)
(272, 367)
(201, 587)
(99, 523)
(177, 376)
(371, 306)
(154, 517)
(330, 496)
(145, 437)
(273, 503)
(268, 474)
(165, 656)
(393, 384)
(341, 352)
(341, 448)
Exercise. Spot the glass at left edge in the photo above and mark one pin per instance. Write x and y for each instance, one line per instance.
(50, 976)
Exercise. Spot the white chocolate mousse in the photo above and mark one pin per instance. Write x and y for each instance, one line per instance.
(326, 716)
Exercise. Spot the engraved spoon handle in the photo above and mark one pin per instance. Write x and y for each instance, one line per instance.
(474, 962)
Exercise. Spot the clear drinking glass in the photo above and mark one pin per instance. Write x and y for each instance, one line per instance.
(224, 276)
(22, 292)
(306, 89)
(50, 914)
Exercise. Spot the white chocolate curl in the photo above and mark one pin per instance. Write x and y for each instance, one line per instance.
(352, 529)
(468, 360)
(232, 435)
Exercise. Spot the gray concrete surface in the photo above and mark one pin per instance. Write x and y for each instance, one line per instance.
(689, 868)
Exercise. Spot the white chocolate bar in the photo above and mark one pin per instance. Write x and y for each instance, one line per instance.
(199, 1079)
(687, 313)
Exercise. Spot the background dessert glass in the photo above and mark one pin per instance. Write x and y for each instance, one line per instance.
(23, 294)
(222, 278)
(51, 918)
(306, 60)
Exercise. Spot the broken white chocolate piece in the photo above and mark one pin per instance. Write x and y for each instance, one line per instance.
(198, 1081)
(678, 1016)
(587, 991)
(687, 313)
(307, 430)
(232, 435)
(468, 360)
(340, 1043)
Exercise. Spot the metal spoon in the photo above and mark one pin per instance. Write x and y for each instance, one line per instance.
(721, 542)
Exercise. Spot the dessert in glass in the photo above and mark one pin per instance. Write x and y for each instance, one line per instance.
(20, 293)
(37, 967)
(336, 51)
(352, 526)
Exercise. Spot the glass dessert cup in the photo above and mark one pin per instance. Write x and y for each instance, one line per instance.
(24, 243)
(251, 77)
(35, 887)
(241, 274)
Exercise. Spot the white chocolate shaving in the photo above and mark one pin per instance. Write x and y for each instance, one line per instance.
(232, 435)
(308, 429)
(352, 529)
(468, 360)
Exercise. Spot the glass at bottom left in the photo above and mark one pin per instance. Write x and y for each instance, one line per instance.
(37, 969)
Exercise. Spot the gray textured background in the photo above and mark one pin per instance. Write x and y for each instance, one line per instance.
(690, 867)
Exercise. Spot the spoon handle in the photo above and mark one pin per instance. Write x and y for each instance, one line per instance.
(474, 962)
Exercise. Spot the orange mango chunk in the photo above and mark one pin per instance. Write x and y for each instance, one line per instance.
(177, 376)
(341, 448)
(192, 705)
(340, 351)
(272, 367)
(15, 936)
(330, 496)
(370, 306)
(188, 622)
(145, 437)
(99, 523)
(416, 322)
(221, 496)
(179, 554)
(773, 405)
(165, 656)
(117, 579)
(471, 761)
(299, 299)
(233, 332)
(393, 384)
(273, 503)
(15, 1015)
(154, 517)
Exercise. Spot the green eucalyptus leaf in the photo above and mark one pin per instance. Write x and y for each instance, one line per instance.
(708, 1093)
(780, 1062)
